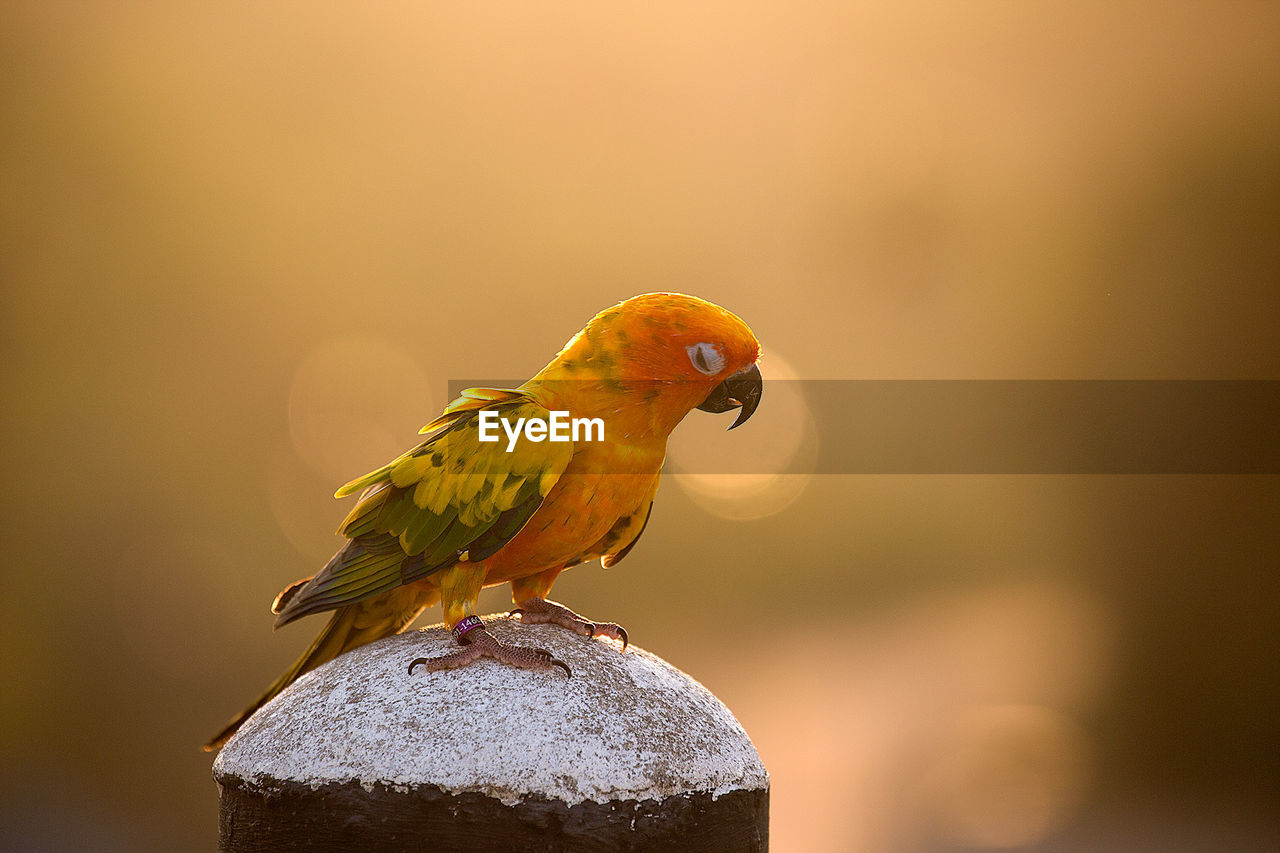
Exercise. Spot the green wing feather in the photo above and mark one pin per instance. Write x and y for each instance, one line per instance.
(451, 498)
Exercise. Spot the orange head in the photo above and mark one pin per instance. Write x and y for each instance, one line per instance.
(667, 352)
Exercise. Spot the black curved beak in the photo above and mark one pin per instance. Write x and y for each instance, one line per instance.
(742, 389)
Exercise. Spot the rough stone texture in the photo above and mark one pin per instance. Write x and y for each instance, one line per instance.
(625, 741)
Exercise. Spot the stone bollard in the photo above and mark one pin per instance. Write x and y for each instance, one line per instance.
(628, 754)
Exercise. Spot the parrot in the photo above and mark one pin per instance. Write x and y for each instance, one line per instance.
(462, 511)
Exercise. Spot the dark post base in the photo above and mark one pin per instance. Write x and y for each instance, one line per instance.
(342, 817)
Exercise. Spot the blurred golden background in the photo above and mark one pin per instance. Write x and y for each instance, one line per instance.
(247, 245)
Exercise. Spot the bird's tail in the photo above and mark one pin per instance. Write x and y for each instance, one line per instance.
(351, 626)
(333, 641)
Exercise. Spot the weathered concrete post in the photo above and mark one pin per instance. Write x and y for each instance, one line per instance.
(628, 754)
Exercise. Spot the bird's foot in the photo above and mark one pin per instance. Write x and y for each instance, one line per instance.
(478, 642)
(538, 610)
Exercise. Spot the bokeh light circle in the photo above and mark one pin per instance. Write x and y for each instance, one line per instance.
(759, 469)
(356, 403)
(1008, 775)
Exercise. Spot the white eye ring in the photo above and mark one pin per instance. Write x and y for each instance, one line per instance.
(707, 358)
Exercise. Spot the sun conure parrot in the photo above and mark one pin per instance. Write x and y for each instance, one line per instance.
(456, 513)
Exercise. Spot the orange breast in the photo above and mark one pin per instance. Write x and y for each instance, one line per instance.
(601, 485)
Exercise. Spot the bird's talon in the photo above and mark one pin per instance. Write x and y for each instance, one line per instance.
(516, 612)
(416, 661)
(623, 632)
(562, 665)
(591, 630)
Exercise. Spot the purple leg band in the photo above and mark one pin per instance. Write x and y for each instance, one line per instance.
(468, 624)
